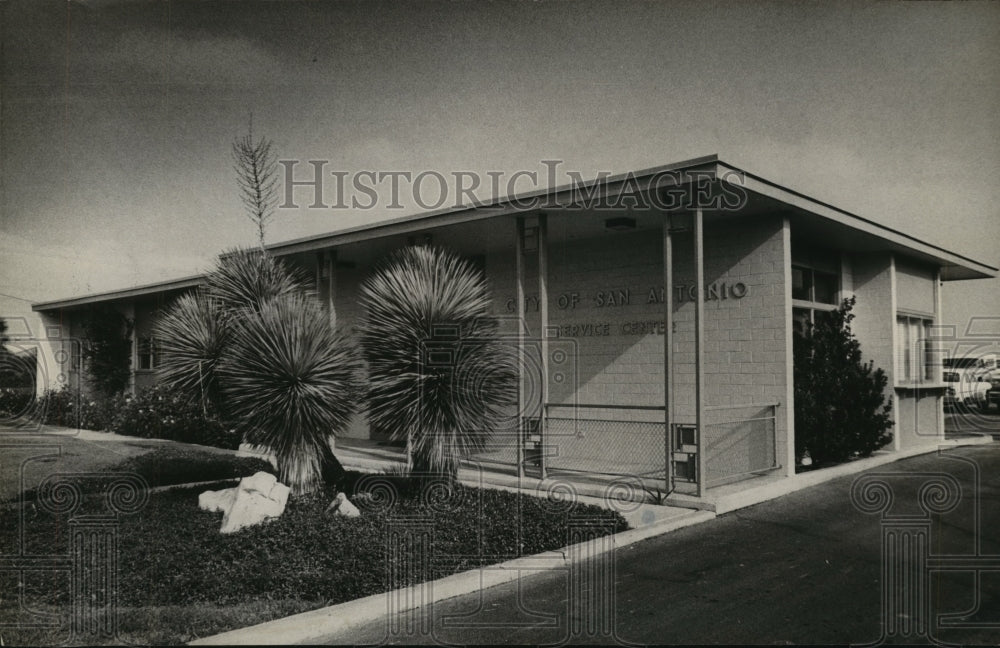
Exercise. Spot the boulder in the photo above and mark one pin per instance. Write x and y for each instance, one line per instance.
(260, 482)
(217, 501)
(343, 507)
(257, 498)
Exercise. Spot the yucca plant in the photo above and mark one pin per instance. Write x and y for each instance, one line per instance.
(193, 332)
(266, 356)
(289, 379)
(439, 376)
(192, 337)
(246, 278)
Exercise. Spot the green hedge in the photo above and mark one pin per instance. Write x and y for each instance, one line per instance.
(153, 413)
(160, 413)
(15, 403)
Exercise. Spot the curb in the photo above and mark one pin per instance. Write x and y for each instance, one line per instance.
(309, 627)
(801, 481)
(22, 503)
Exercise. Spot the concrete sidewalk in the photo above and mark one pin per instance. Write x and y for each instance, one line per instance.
(607, 492)
(613, 492)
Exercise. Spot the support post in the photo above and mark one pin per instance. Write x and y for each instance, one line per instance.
(320, 289)
(519, 280)
(668, 349)
(543, 308)
(134, 342)
(789, 404)
(935, 354)
(699, 345)
(331, 286)
(896, 442)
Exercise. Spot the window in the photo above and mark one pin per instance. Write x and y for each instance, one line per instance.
(803, 319)
(76, 355)
(814, 292)
(148, 352)
(914, 350)
(811, 285)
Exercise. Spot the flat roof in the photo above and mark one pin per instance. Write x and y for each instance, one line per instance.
(955, 266)
(124, 293)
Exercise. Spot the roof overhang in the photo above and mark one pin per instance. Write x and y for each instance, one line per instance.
(830, 223)
(125, 293)
(844, 225)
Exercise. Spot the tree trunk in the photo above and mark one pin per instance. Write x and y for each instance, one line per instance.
(332, 471)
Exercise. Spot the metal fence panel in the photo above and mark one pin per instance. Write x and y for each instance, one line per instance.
(738, 442)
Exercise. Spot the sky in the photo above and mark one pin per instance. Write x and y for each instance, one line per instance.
(116, 119)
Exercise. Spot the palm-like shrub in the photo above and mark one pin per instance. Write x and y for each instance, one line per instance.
(267, 357)
(439, 376)
(192, 337)
(193, 332)
(246, 278)
(289, 379)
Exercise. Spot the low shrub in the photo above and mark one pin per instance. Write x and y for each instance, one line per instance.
(160, 413)
(71, 408)
(15, 403)
(153, 413)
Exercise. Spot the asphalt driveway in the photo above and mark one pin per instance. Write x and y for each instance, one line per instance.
(806, 568)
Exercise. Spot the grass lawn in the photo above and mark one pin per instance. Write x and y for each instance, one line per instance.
(180, 579)
(26, 462)
(173, 464)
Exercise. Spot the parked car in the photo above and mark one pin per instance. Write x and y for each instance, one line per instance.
(993, 396)
(966, 388)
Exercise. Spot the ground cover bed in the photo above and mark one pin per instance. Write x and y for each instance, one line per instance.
(180, 579)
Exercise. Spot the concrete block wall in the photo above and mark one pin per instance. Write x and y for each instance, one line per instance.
(917, 422)
(745, 359)
(55, 337)
(875, 318)
(605, 341)
(914, 287)
(917, 418)
(745, 349)
(884, 287)
(605, 306)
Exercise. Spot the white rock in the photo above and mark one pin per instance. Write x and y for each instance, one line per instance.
(217, 501)
(279, 493)
(257, 498)
(261, 482)
(342, 506)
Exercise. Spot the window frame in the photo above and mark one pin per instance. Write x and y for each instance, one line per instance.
(920, 352)
(150, 352)
(811, 305)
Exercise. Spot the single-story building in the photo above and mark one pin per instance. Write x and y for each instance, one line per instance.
(654, 315)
